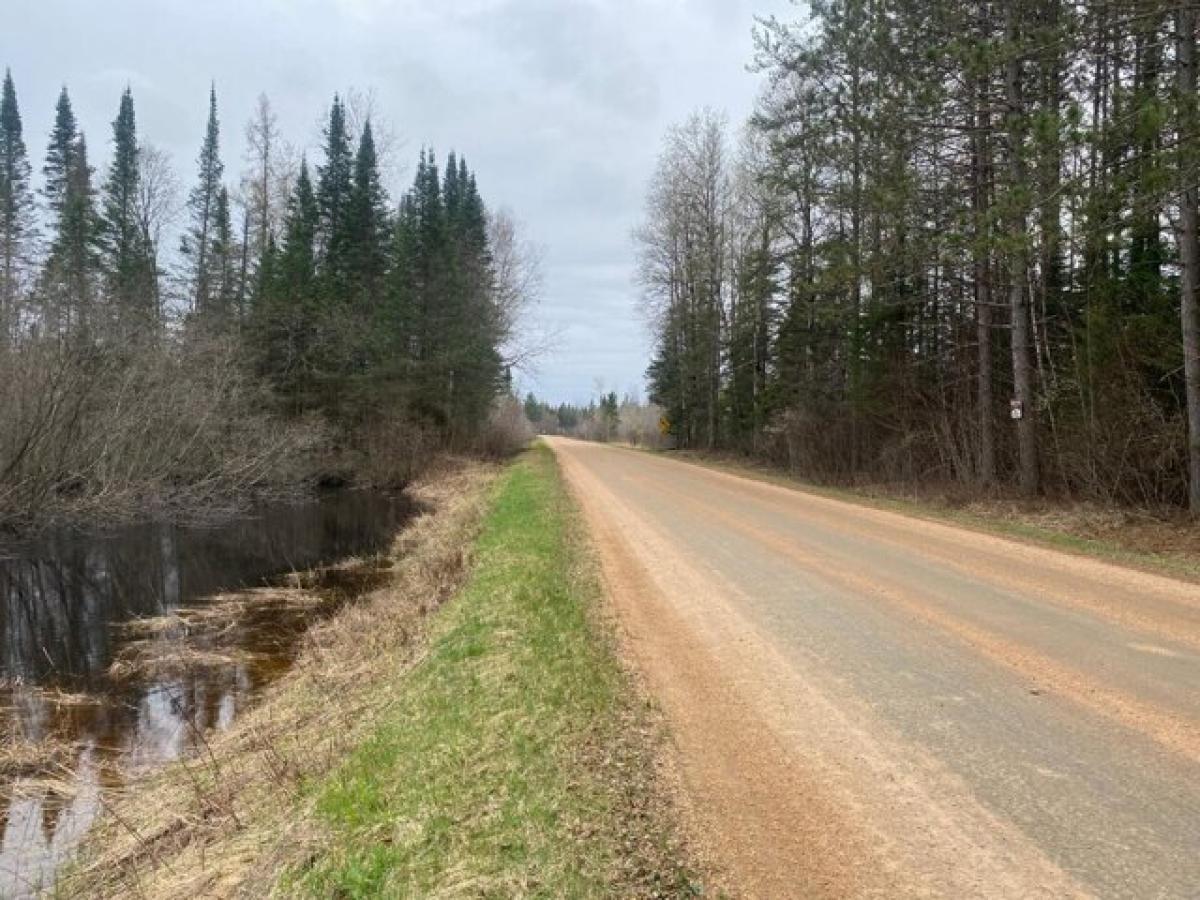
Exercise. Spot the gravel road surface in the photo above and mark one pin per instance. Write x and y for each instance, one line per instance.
(868, 704)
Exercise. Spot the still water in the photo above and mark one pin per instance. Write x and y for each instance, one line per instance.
(70, 610)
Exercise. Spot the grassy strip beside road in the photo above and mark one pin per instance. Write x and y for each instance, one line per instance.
(517, 757)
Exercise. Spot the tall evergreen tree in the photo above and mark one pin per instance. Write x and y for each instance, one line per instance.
(367, 226)
(453, 185)
(399, 335)
(476, 370)
(296, 271)
(202, 204)
(335, 185)
(68, 282)
(16, 207)
(223, 256)
(287, 318)
(63, 139)
(416, 307)
(128, 264)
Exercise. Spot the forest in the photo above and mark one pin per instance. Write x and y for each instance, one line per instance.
(956, 243)
(172, 353)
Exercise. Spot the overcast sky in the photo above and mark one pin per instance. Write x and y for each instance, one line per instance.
(559, 105)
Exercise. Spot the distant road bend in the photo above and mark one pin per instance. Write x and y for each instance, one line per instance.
(867, 704)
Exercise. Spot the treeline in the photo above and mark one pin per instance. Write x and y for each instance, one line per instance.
(956, 242)
(604, 419)
(305, 325)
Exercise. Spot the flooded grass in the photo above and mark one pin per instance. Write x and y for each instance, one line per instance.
(231, 816)
(124, 694)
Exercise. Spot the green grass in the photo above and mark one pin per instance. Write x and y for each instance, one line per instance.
(1130, 553)
(506, 767)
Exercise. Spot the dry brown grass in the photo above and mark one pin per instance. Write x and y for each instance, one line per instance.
(227, 822)
(225, 608)
(24, 758)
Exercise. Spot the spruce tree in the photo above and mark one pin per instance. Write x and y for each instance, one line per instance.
(295, 272)
(72, 267)
(222, 254)
(63, 139)
(398, 330)
(68, 280)
(286, 320)
(469, 313)
(451, 191)
(126, 260)
(367, 225)
(414, 309)
(16, 207)
(202, 204)
(430, 262)
(335, 184)
(473, 216)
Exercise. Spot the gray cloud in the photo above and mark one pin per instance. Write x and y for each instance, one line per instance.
(560, 106)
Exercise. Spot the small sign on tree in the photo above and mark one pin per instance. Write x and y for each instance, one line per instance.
(1016, 410)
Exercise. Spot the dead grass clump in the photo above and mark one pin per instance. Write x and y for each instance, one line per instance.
(194, 638)
(21, 757)
(53, 696)
(228, 821)
(152, 658)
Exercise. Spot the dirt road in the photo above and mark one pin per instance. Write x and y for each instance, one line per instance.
(866, 704)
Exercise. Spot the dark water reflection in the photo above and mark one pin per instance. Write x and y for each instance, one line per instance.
(63, 601)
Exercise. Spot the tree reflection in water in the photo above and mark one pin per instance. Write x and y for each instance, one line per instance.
(62, 600)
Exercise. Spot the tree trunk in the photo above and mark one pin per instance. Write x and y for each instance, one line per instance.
(1189, 248)
(980, 164)
(1022, 334)
(244, 267)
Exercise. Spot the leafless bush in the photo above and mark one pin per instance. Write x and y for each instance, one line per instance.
(507, 430)
(639, 424)
(100, 432)
(393, 450)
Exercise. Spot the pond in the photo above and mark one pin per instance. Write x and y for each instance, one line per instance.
(118, 652)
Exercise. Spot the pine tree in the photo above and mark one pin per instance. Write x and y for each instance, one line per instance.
(16, 208)
(1189, 238)
(1029, 474)
(202, 204)
(127, 262)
